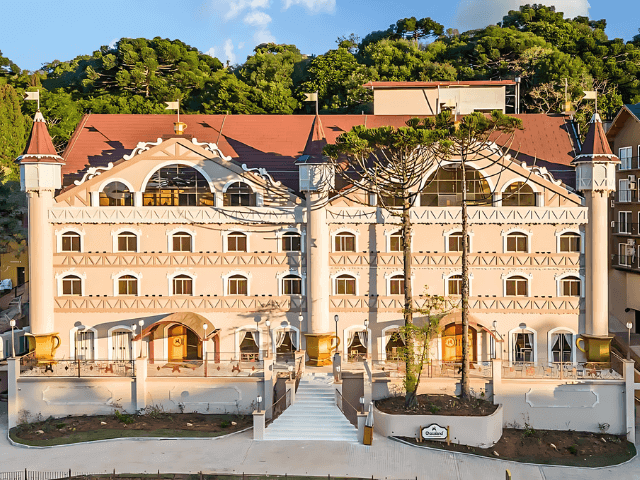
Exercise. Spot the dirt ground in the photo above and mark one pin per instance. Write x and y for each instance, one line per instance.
(550, 447)
(438, 405)
(55, 428)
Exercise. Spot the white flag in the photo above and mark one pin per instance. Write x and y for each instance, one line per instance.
(172, 105)
(590, 95)
(32, 95)
(311, 97)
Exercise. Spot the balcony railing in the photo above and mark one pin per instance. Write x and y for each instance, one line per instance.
(625, 261)
(577, 371)
(31, 367)
(630, 163)
(223, 366)
(625, 228)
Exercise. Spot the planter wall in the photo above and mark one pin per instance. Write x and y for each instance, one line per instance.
(473, 431)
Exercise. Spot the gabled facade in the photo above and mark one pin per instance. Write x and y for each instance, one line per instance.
(149, 225)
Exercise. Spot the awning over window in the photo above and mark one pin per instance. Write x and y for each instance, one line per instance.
(189, 319)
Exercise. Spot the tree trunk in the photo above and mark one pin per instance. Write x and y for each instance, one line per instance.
(412, 378)
(465, 392)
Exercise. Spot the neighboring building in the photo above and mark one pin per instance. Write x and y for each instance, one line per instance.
(430, 98)
(145, 224)
(624, 285)
(14, 267)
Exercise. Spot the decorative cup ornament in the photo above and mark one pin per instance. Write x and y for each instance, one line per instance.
(179, 127)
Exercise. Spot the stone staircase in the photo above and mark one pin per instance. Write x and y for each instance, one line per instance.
(314, 415)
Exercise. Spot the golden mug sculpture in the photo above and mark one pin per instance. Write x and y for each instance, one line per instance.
(179, 127)
(44, 345)
(597, 348)
(320, 348)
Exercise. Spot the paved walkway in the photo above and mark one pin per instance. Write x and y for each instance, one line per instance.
(239, 453)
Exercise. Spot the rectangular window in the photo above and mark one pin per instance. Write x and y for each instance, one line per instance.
(517, 243)
(455, 286)
(182, 286)
(345, 286)
(182, 243)
(625, 222)
(396, 286)
(624, 192)
(292, 286)
(127, 243)
(396, 244)
(625, 155)
(570, 243)
(516, 287)
(127, 286)
(71, 286)
(291, 243)
(523, 347)
(626, 254)
(238, 286)
(71, 242)
(571, 287)
(345, 243)
(237, 243)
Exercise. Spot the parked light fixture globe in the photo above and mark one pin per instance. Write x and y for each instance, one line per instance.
(12, 323)
(629, 327)
(141, 323)
(366, 323)
(336, 318)
(267, 323)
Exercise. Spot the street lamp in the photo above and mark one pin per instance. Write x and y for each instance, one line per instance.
(336, 319)
(268, 325)
(204, 347)
(259, 401)
(366, 331)
(629, 327)
(133, 335)
(12, 322)
(141, 323)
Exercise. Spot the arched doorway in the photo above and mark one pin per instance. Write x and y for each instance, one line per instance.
(184, 344)
(452, 343)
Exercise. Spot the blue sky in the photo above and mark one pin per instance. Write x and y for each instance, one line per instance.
(44, 30)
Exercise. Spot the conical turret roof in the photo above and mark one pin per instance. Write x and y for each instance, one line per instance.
(40, 147)
(596, 147)
(316, 142)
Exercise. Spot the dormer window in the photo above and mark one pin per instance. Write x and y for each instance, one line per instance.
(177, 185)
(239, 194)
(116, 194)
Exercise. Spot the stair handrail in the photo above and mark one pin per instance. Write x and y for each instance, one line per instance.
(287, 404)
(340, 406)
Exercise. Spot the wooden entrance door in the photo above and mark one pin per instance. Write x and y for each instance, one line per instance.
(177, 343)
(452, 343)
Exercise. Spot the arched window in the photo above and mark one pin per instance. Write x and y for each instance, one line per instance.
(182, 242)
(562, 347)
(517, 243)
(454, 285)
(70, 242)
(396, 242)
(239, 194)
(570, 287)
(454, 242)
(396, 285)
(444, 188)
(516, 286)
(391, 200)
(518, 194)
(238, 285)
(236, 242)
(345, 242)
(291, 285)
(345, 285)
(127, 285)
(127, 242)
(570, 243)
(182, 285)
(291, 242)
(71, 285)
(116, 194)
(394, 347)
(177, 185)
(523, 347)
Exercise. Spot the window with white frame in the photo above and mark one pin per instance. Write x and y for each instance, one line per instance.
(71, 285)
(291, 242)
(237, 285)
(396, 285)
(127, 285)
(454, 285)
(625, 222)
(523, 347)
(626, 254)
(454, 242)
(344, 242)
(625, 156)
(127, 242)
(182, 242)
(570, 287)
(236, 242)
(291, 285)
(345, 285)
(396, 241)
(182, 285)
(239, 194)
(516, 286)
(518, 194)
(561, 347)
(570, 243)
(70, 242)
(121, 345)
(624, 190)
(517, 242)
(116, 194)
(84, 344)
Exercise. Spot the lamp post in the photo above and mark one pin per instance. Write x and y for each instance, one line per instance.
(79, 328)
(629, 327)
(12, 322)
(259, 401)
(141, 323)
(133, 335)
(204, 347)
(300, 320)
(366, 331)
(268, 325)
(336, 319)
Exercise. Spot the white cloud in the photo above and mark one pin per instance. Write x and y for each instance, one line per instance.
(211, 52)
(263, 36)
(240, 45)
(228, 51)
(314, 6)
(257, 18)
(113, 42)
(235, 7)
(473, 14)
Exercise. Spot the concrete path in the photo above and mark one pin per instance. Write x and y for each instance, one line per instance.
(239, 453)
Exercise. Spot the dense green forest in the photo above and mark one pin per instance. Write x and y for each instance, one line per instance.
(138, 75)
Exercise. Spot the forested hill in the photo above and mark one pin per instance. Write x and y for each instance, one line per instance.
(138, 75)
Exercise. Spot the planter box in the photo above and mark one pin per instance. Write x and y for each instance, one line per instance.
(481, 432)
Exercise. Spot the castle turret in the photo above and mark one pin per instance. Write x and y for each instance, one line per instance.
(595, 177)
(40, 176)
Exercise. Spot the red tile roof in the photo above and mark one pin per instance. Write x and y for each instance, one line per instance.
(39, 146)
(375, 85)
(596, 146)
(275, 142)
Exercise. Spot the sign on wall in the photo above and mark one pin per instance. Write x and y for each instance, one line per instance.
(433, 432)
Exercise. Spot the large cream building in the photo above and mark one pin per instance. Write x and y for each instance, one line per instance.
(134, 223)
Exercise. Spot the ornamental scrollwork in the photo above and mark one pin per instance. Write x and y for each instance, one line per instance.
(92, 172)
(142, 147)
